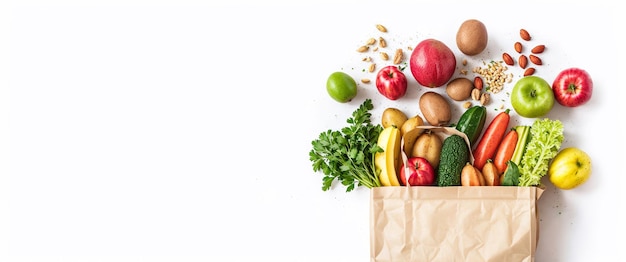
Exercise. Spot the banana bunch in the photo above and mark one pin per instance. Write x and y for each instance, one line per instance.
(388, 163)
(396, 141)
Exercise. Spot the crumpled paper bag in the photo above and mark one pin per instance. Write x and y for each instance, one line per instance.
(430, 223)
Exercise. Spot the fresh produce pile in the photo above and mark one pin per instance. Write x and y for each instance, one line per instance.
(412, 151)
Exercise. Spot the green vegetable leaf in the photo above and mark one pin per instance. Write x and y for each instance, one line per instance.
(511, 175)
(347, 155)
(546, 137)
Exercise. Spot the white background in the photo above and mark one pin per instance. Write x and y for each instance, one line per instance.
(180, 130)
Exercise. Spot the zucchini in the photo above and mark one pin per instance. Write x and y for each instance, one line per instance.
(472, 122)
(454, 155)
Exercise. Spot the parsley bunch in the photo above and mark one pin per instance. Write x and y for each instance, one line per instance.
(347, 155)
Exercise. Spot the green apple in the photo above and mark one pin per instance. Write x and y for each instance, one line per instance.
(341, 87)
(570, 168)
(532, 97)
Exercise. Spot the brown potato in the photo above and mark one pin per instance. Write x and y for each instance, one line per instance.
(472, 37)
(460, 88)
(393, 117)
(410, 132)
(435, 108)
(428, 145)
(411, 124)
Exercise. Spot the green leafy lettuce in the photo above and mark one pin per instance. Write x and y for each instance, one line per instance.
(546, 136)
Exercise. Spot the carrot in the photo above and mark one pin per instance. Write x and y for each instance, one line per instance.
(505, 150)
(489, 142)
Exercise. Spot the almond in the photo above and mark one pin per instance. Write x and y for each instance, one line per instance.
(478, 83)
(529, 71)
(365, 80)
(524, 34)
(538, 49)
(372, 68)
(522, 61)
(535, 59)
(518, 47)
(507, 59)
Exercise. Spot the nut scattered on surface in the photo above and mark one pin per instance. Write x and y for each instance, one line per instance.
(381, 28)
(371, 41)
(518, 47)
(464, 62)
(535, 60)
(372, 67)
(367, 59)
(538, 49)
(529, 71)
(484, 99)
(524, 34)
(467, 104)
(365, 80)
(507, 59)
(381, 42)
(363, 49)
(522, 61)
(478, 83)
(384, 56)
(463, 72)
(397, 58)
(476, 94)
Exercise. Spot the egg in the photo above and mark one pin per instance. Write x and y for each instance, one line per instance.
(472, 37)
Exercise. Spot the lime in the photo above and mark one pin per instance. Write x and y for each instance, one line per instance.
(341, 87)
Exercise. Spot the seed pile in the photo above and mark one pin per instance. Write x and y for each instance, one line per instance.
(494, 75)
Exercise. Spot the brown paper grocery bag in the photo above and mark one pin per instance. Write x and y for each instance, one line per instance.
(430, 223)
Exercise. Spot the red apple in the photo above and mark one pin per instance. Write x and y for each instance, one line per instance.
(421, 172)
(391, 82)
(572, 87)
(432, 63)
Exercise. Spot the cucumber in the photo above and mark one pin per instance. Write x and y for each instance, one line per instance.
(472, 122)
(454, 155)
